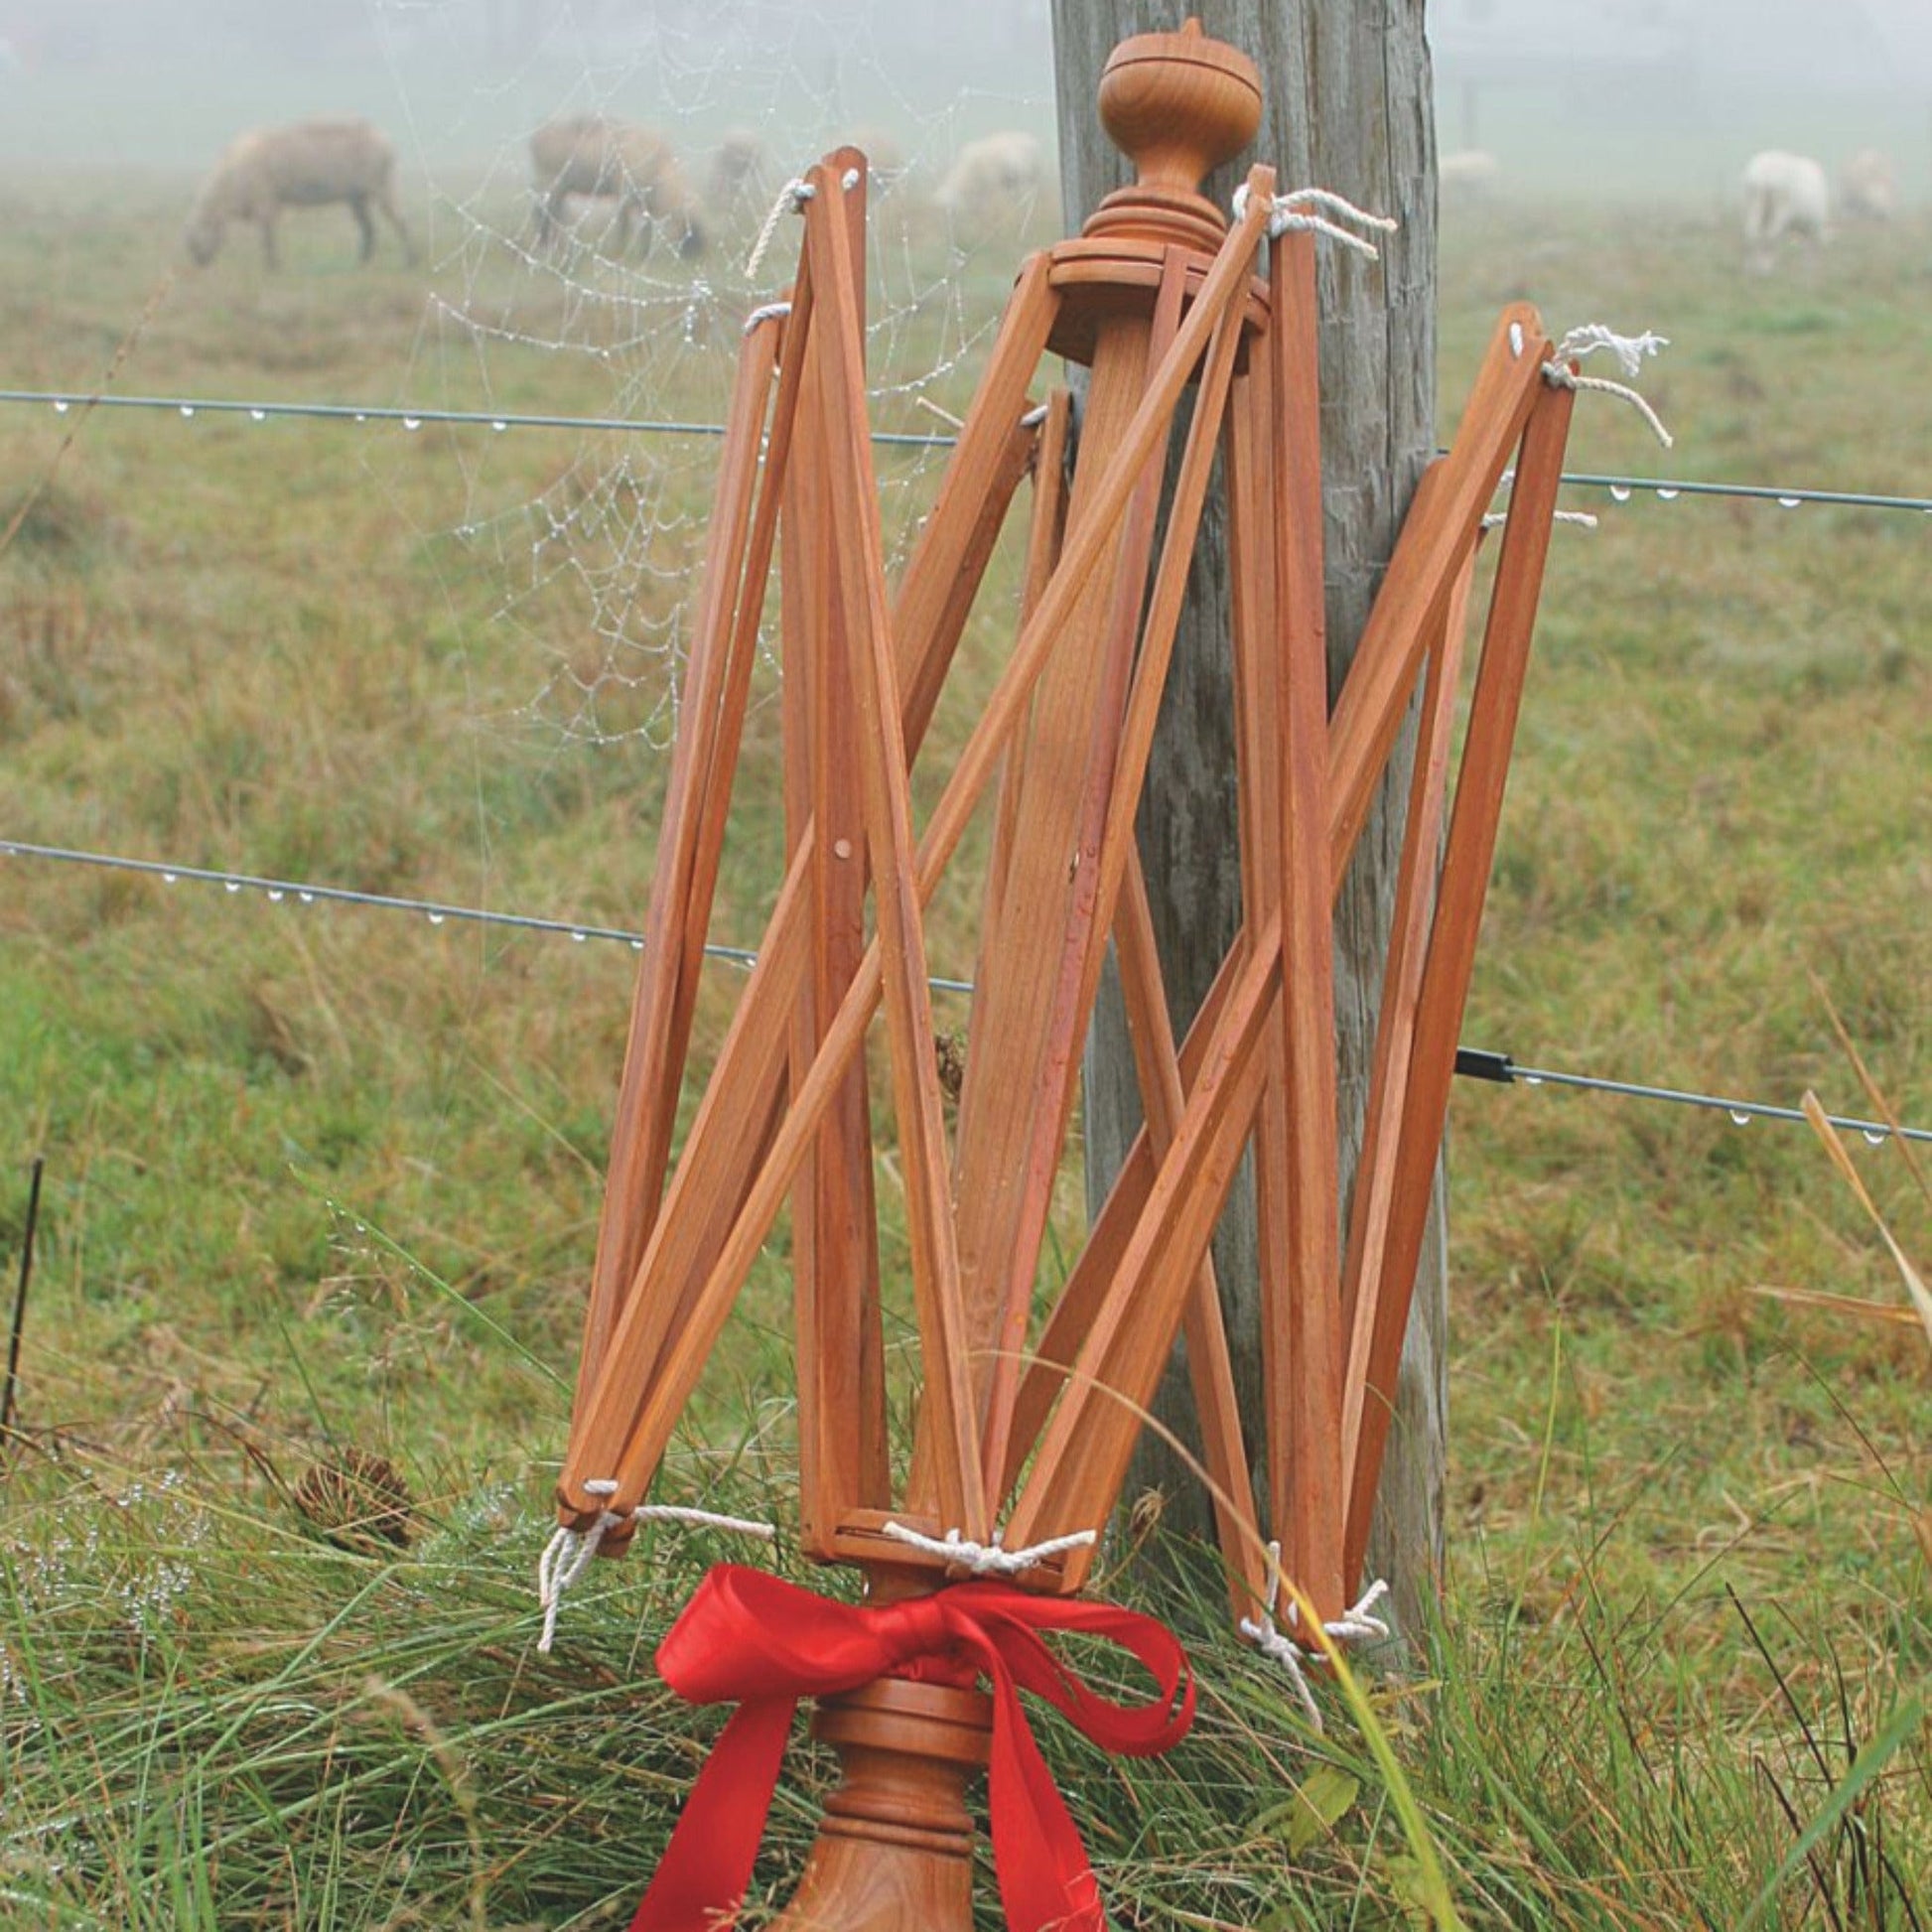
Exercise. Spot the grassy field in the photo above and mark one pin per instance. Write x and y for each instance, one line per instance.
(322, 1181)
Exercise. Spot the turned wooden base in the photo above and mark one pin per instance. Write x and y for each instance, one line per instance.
(894, 1850)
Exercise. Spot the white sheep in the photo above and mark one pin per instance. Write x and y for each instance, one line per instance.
(305, 165)
(606, 160)
(993, 180)
(1867, 186)
(1467, 174)
(1784, 194)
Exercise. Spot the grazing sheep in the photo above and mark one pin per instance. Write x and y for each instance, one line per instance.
(1467, 174)
(1784, 194)
(741, 175)
(1867, 186)
(302, 166)
(992, 179)
(604, 160)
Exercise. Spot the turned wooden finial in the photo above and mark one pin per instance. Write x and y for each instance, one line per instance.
(1176, 105)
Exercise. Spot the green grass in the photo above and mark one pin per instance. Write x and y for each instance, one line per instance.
(321, 1178)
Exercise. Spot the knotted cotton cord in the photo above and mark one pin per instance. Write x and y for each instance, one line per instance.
(1629, 352)
(990, 1559)
(1290, 214)
(568, 1552)
(771, 312)
(1357, 1624)
(792, 199)
(1582, 520)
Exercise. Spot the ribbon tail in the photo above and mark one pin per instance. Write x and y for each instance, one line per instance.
(706, 1869)
(1046, 1882)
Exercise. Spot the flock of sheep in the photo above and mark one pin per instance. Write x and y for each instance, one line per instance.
(585, 157)
(1783, 194)
(591, 157)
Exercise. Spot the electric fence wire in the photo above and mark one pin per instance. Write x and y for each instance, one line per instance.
(1470, 1063)
(1622, 488)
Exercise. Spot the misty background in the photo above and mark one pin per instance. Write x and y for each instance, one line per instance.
(1629, 98)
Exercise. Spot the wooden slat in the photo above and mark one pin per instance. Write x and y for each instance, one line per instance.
(852, 511)
(681, 884)
(1453, 931)
(842, 1449)
(1407, 613)
(1401, 990)
(1305, 1403)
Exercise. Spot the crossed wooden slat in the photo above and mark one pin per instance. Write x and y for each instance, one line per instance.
(1028, 1424)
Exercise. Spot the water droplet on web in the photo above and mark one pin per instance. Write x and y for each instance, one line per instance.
(1620, 493)
(1789, 502)
(412, 422)
(62, 405)
(1668, 495)
(1875, 1136)
(1738, 1117)
(437, 918)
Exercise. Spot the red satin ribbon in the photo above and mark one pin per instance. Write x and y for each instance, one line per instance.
(754, 1640)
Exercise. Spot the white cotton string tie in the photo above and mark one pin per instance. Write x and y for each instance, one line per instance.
(568, 1552)
(1629, 352)
(1582, 520)
(990, 1559)
(771, 312)
(1320, 210)
(1358, 1624)
(790, 198)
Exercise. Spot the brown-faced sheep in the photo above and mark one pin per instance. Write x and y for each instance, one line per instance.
(302, 166)
(604, 160)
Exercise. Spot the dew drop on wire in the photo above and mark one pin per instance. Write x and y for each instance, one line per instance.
(1619, 493)
(307, 899)
(62, 405)
(437, 918)
(258, 415)
(170, 877)
(1738, 1118)
(232, 885)
(1789, 502)
(637, 945)
(186, 409)
(1530, 1079)
(1875, 1136)
(1668, 495)
(578, 939)
(499, 426)
(276, 895)
(412, 422)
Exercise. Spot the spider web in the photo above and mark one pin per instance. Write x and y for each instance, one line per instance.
(596, 572)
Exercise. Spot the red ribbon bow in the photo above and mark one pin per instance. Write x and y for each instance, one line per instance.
(753, 1639)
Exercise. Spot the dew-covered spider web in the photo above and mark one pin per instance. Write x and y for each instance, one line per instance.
(636, 315)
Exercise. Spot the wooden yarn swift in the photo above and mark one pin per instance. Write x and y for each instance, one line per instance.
(1026, 1425)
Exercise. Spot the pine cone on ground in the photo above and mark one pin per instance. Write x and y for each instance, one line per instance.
(359, 1501)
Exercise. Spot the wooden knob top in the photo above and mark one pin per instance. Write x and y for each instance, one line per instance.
(1178, 105)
